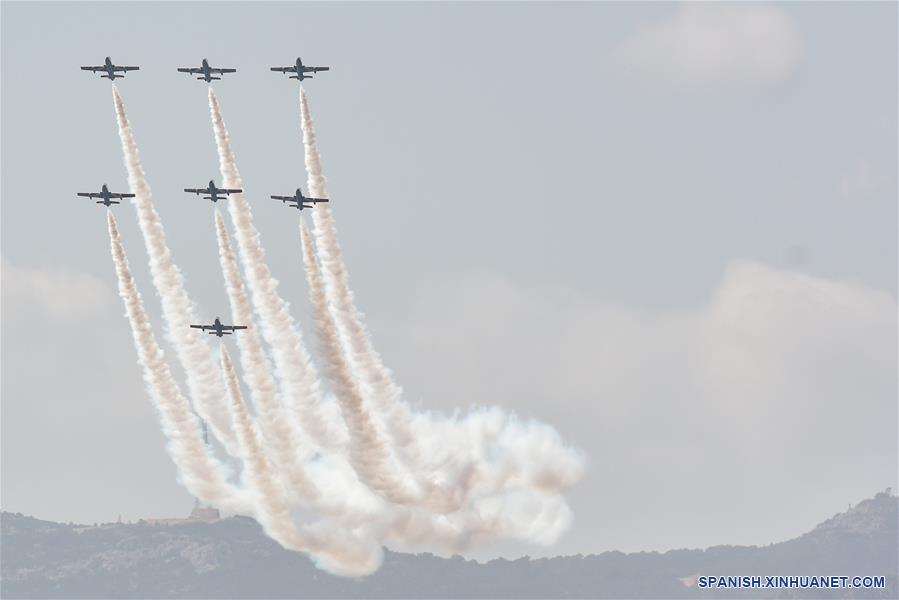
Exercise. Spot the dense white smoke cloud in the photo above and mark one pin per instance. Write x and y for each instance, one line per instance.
(334, 549)
(484, 433)
(369, 455)
(448, 519)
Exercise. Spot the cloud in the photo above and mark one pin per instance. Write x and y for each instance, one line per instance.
(710, 49)
(780, 385)
(58, 294)
(77, 423)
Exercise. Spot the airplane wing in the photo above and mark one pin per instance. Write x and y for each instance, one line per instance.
(233, 327)
(89, 194)
(195, 190)
(94, 69)
(315, 199)
(283, 198)
(125, 68)
(317, 69)
(203, 327)
(214, 70)
(121, 195)
(283, 69)
(229, 191)
(189, 70)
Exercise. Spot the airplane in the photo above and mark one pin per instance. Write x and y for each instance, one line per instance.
(218, 329)
(206, 71)
(215, 194)
(300, 200)
(106, 196)
(300, 70)
(110, 69)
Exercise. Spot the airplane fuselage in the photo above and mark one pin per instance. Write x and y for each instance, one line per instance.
(104, 191)
(300, 74)
(110, 71)
(300, 200)
(219, 331)
(213, 195)
(207, 73)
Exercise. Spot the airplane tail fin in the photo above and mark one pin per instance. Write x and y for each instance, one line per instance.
(114, 202)
(294, 77)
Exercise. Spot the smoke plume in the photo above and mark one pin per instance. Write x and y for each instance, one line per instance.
(203, 377)
(200, 472)
(364, 467)
(281, 432)
(337, 551)
(292, 360)
(369, 455)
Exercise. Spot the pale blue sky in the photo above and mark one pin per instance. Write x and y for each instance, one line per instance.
(520, 171)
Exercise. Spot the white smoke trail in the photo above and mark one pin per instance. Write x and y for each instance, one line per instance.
(337, 551)
(295, 368)
(405, 525)
(199, 470)
(375, 378)
(203, 377)
(281, 432)
(371, 459)
(486, 459)
(521, 513)
(445, 491)
(503, 481)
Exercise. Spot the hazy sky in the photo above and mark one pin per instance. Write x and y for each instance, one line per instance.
(667, 230)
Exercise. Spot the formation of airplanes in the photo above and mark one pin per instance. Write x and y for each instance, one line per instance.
(206, 72)
(217, 329)
(211, 192)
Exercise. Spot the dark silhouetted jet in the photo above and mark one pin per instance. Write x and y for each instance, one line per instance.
(299, 200)
(215, 194)
(110, 69)
(299, 70)
(106, 196)
(218, 329)
(205, 71)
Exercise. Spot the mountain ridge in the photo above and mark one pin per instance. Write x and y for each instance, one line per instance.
(232, 558)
